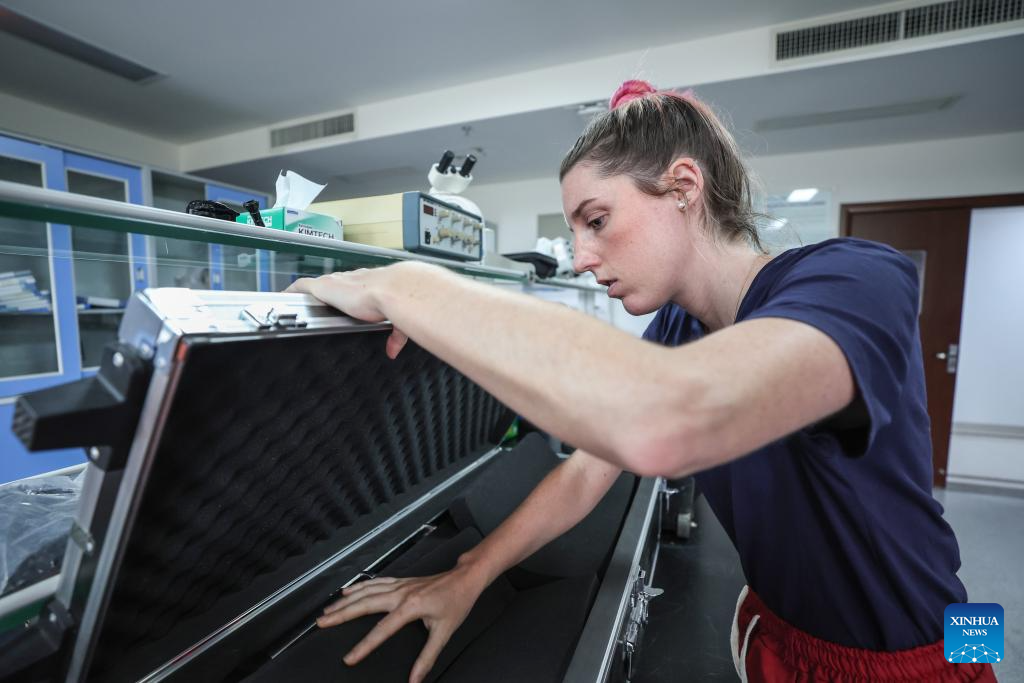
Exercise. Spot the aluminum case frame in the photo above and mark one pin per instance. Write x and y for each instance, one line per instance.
(155, 324)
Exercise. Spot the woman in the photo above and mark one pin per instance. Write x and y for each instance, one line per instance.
(793, 387)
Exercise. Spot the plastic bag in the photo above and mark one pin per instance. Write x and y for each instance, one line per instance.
(35, 520)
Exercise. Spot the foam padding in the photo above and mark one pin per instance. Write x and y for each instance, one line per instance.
(318, 657)
(534, 639)
(584, 550)
(277, 452)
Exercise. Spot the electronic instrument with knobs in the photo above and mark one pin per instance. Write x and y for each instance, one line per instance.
(413, 221)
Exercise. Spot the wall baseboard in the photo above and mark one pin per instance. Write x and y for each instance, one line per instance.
(993, 485)
(981, 429)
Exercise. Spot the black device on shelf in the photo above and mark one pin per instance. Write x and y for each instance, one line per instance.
(546, 266)
(211, 209)
(253, 207)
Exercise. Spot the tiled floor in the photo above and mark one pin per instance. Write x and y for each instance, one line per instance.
(688, 635)
(990, 529)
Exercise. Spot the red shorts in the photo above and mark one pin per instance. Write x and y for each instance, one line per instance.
(765, 648)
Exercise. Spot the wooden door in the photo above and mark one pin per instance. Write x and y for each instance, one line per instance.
(937, 240)
(933, 232)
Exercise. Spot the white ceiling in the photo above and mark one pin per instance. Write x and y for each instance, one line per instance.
(233, 64)
(984, 75)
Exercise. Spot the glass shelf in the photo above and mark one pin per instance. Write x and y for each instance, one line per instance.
(56, 207)
(181, 250)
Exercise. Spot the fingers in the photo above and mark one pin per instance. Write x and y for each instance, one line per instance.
(376, 581)
(396, 342)
(371, 604)
(385, 628)
(303, 286)
(358, 592)
(435, 643)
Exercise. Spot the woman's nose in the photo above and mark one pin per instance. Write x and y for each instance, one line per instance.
(583, 260)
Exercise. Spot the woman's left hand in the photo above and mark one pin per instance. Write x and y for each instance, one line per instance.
(352, 293)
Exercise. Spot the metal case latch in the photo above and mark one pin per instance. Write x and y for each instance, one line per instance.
(639, 598)
(266, 317)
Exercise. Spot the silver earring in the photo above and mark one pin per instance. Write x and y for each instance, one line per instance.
(682, 204)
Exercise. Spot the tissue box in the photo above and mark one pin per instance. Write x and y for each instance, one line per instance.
(299, 222)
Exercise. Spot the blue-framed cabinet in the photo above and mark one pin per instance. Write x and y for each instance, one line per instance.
(39, 341)
(63, 288)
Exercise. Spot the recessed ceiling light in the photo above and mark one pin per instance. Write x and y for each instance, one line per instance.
(592, 108)
(803, 195)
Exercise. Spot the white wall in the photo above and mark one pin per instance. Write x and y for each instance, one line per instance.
(515, 207)
(990, 164)
(46, 124)
(957, 167)
(987, 445)
(990, 388)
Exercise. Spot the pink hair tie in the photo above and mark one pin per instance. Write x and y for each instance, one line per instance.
(629, 91)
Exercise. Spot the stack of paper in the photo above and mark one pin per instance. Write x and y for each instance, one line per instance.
(20, 293)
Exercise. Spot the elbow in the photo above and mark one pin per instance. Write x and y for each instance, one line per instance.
(673, 434)
(668, 452)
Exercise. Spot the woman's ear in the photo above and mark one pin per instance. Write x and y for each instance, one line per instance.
(685, 179)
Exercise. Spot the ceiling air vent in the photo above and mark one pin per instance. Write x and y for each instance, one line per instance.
(313, 130)
(961, 14)
(916, 22)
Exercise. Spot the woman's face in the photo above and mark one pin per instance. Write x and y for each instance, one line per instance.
(633, 243)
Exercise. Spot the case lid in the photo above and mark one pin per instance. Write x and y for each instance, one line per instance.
(275, 432)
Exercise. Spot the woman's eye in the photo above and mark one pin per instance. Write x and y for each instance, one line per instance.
(598, 222)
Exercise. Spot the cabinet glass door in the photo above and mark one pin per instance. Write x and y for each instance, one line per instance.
(240, 268)
(38, 336)
(103, 259)
(179, 263)
(28, 330)
(103, 279)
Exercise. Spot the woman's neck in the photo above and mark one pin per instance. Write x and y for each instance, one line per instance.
(716, 280)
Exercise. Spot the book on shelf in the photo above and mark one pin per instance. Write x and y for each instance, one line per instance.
(19, 292)
(15, 274)
(25, 307)
(15, 290)
(100, 302)
(28, 280)
(23, 296)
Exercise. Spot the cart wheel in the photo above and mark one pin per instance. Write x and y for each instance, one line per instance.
(684, 524)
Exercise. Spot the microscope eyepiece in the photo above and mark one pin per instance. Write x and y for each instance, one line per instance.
(446, 161)
(467, 166)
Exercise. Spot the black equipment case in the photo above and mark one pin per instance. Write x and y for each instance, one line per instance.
(253, 453)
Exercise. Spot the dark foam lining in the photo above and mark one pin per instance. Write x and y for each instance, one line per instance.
(583, 550)
(318, 657)
(275, 451)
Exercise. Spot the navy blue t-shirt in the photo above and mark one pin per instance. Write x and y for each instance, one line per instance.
(835, 524)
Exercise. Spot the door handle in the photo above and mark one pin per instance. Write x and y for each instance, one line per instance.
(951, 357)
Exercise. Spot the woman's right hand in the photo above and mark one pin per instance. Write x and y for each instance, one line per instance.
(442, 601)
(355, 293)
